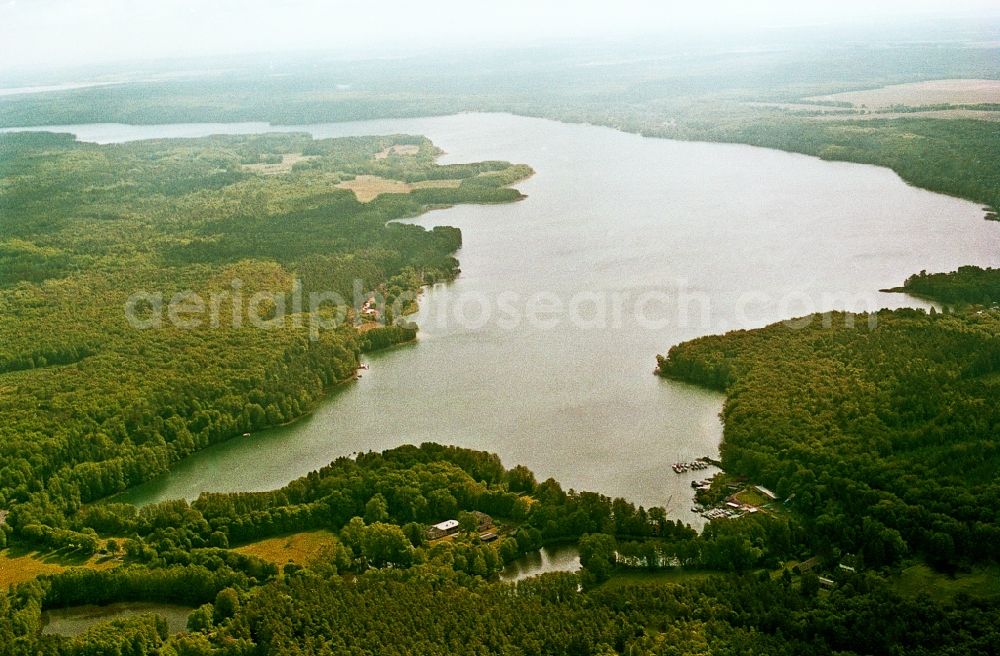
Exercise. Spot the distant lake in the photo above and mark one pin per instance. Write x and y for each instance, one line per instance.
(646, 242)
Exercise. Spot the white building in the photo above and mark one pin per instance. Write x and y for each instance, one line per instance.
(446, 526)
(442, 529)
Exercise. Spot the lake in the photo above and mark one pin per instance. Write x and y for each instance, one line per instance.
(553, 558)
(543, 349)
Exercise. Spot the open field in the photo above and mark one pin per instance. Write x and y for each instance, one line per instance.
(831, 113)
(932, 92)
(287, 162)
(298, 548)
(369, 187)
(398, 149)
(805, 107)
(983, 582)
(19, 566)
(975, 114)
(751, 497)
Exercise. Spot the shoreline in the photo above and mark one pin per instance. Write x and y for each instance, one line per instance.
(638, 132)
(328, 390)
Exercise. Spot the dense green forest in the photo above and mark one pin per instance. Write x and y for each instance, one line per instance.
(878, 433)
(969, 285)
(880, 430)
(251, 281)
(382, 587)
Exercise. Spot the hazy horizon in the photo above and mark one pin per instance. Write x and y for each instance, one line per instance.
(54, 34)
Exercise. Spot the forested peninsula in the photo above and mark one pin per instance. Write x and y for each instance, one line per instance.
(880, 433)
(967, 286)
(774, 97)
(260, 278)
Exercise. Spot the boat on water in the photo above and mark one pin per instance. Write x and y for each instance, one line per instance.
(697, 465)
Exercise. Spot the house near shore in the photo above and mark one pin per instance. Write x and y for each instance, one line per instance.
(370, 309)
(484, 528)
(442, 529)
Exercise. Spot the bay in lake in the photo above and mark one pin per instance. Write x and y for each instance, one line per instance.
(643, 243)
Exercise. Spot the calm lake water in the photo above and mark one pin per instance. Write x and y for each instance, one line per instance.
(644, 243)
(558, 558)
(77, 619)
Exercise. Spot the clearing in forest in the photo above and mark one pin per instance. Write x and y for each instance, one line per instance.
(369, 187)
(298, 548)
(915, 94)
(288, 160)
(398, 149)
(20, 566)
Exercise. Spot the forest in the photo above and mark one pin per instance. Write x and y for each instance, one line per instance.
(880, 430)
(381, 586)
(229, 262)
(877, 433)
(968, 285)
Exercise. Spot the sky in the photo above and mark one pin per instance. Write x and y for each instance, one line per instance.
(55, 33)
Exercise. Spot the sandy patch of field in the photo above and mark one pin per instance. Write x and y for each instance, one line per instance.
(975, 114)
(932, 92)
(288, 160)
(803, 107)
(832, 113)
(398, 149)
(369, 187)
(298, 548)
